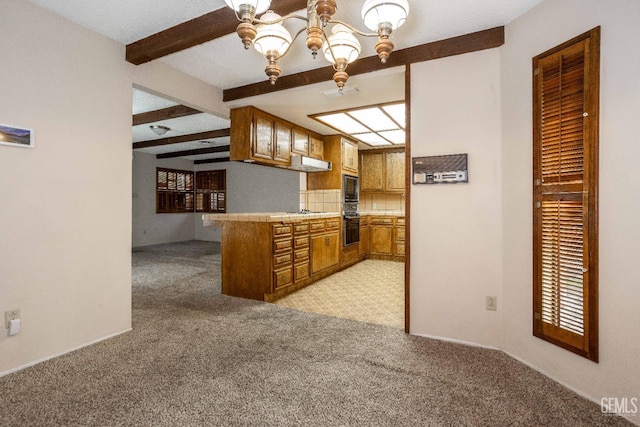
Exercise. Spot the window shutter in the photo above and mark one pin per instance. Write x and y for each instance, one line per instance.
(174, 191)
(565, 86)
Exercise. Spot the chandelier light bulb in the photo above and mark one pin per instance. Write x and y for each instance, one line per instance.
(390, 12)
(341, 46)
(272, 39)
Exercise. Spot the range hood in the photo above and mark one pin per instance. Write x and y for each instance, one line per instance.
(308, 164)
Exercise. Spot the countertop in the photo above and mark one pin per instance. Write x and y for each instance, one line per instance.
(382, 213)
(210, 219)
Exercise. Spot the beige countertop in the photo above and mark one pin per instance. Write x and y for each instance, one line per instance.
(210, 219)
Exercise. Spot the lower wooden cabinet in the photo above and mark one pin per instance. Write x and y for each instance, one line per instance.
(386, 238)
(325, 251)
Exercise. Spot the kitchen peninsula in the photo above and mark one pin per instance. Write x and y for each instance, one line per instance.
(268, 255)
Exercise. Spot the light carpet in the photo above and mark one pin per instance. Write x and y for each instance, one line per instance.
(196, 357)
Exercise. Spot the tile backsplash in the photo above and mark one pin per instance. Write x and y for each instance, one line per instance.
(371, 202)
(320, 200)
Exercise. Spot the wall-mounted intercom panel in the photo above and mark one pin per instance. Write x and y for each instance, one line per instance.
(448, 169)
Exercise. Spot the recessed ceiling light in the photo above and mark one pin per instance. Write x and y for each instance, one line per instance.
(159, 129)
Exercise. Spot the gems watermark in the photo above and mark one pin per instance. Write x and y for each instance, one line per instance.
(619, 405)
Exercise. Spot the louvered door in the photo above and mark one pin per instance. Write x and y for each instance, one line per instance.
(565, 183)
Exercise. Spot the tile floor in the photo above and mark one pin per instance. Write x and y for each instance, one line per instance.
(371, 291)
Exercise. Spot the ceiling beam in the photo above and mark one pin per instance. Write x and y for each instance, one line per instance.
(467, 43)
(196, 152)
(220, 133)
(196, 31)
(164, 114)
(218, 160)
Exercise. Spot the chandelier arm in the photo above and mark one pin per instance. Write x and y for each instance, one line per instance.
(281, 19)
(355, 30)
(291, 44)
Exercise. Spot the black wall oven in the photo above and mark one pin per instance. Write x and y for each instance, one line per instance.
(350, 188)
(351, 229)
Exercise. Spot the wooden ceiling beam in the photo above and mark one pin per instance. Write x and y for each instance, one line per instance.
(467, 43)
(217, 160)
(199, 30)
(196, 152)
(164, 114)
(220, 133)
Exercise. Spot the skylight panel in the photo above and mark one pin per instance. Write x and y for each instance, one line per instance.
(374, 118)
(398, 137)
(397, 111)
(372, 139)
(343, 123)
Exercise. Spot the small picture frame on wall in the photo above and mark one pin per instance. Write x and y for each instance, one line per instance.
(16, 137)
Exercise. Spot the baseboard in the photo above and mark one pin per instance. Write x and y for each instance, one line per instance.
(53, 356)
(632, 420)
(451, 340)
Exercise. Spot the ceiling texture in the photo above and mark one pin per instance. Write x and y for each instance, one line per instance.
(215, 55)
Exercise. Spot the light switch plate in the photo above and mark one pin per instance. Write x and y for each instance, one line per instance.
(10, 315)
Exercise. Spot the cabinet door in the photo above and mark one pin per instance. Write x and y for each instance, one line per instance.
(262, 138)
(300, 144)
(316, 148)
(349, 156)
(325, 251)
(381, 240)
(371, 172)
(363, 245)
(395, 171)
(282, 150)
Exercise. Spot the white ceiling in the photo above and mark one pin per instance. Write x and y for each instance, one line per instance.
(224, 62)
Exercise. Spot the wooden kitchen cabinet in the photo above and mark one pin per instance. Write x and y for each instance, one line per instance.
(382, 171)
(387, 238)
(325, 244)
(316, 148)
(363, 245)
(333, 148)
(395, 171)
(263, 138)
(349, 156)
(371, 171)
(300, 142)
(381, 236)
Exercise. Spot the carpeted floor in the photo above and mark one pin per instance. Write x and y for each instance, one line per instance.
(196, 357)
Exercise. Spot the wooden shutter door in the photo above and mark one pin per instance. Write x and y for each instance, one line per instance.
(565, 196)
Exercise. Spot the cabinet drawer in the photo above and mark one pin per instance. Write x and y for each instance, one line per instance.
(301, 242)
(282, 259)
(282, 245)
(333, 224)
(349, 256)
(364, 221)
(301, 228)
(400, 248)
(301, 255)
(400, 233)
(382, 221)
(281, 230)
(282, 278)
(400, 221)
(317, 226)
(301, 271)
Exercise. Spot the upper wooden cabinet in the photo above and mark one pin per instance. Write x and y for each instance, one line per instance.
(316, 148)
(335, 149)
(264, 138)
(349, 156)
(382, 171)
(371, 171)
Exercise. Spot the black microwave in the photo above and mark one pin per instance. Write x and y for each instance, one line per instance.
(350, 188)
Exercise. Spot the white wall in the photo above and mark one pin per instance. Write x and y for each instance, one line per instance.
(149, 227)
(65, 221)
(546, 26)
(253, 188)
(456, 229)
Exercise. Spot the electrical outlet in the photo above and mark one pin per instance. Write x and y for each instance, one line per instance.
(11, 315)
(492, 303)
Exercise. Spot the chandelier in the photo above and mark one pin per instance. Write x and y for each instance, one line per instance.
(269, 37)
